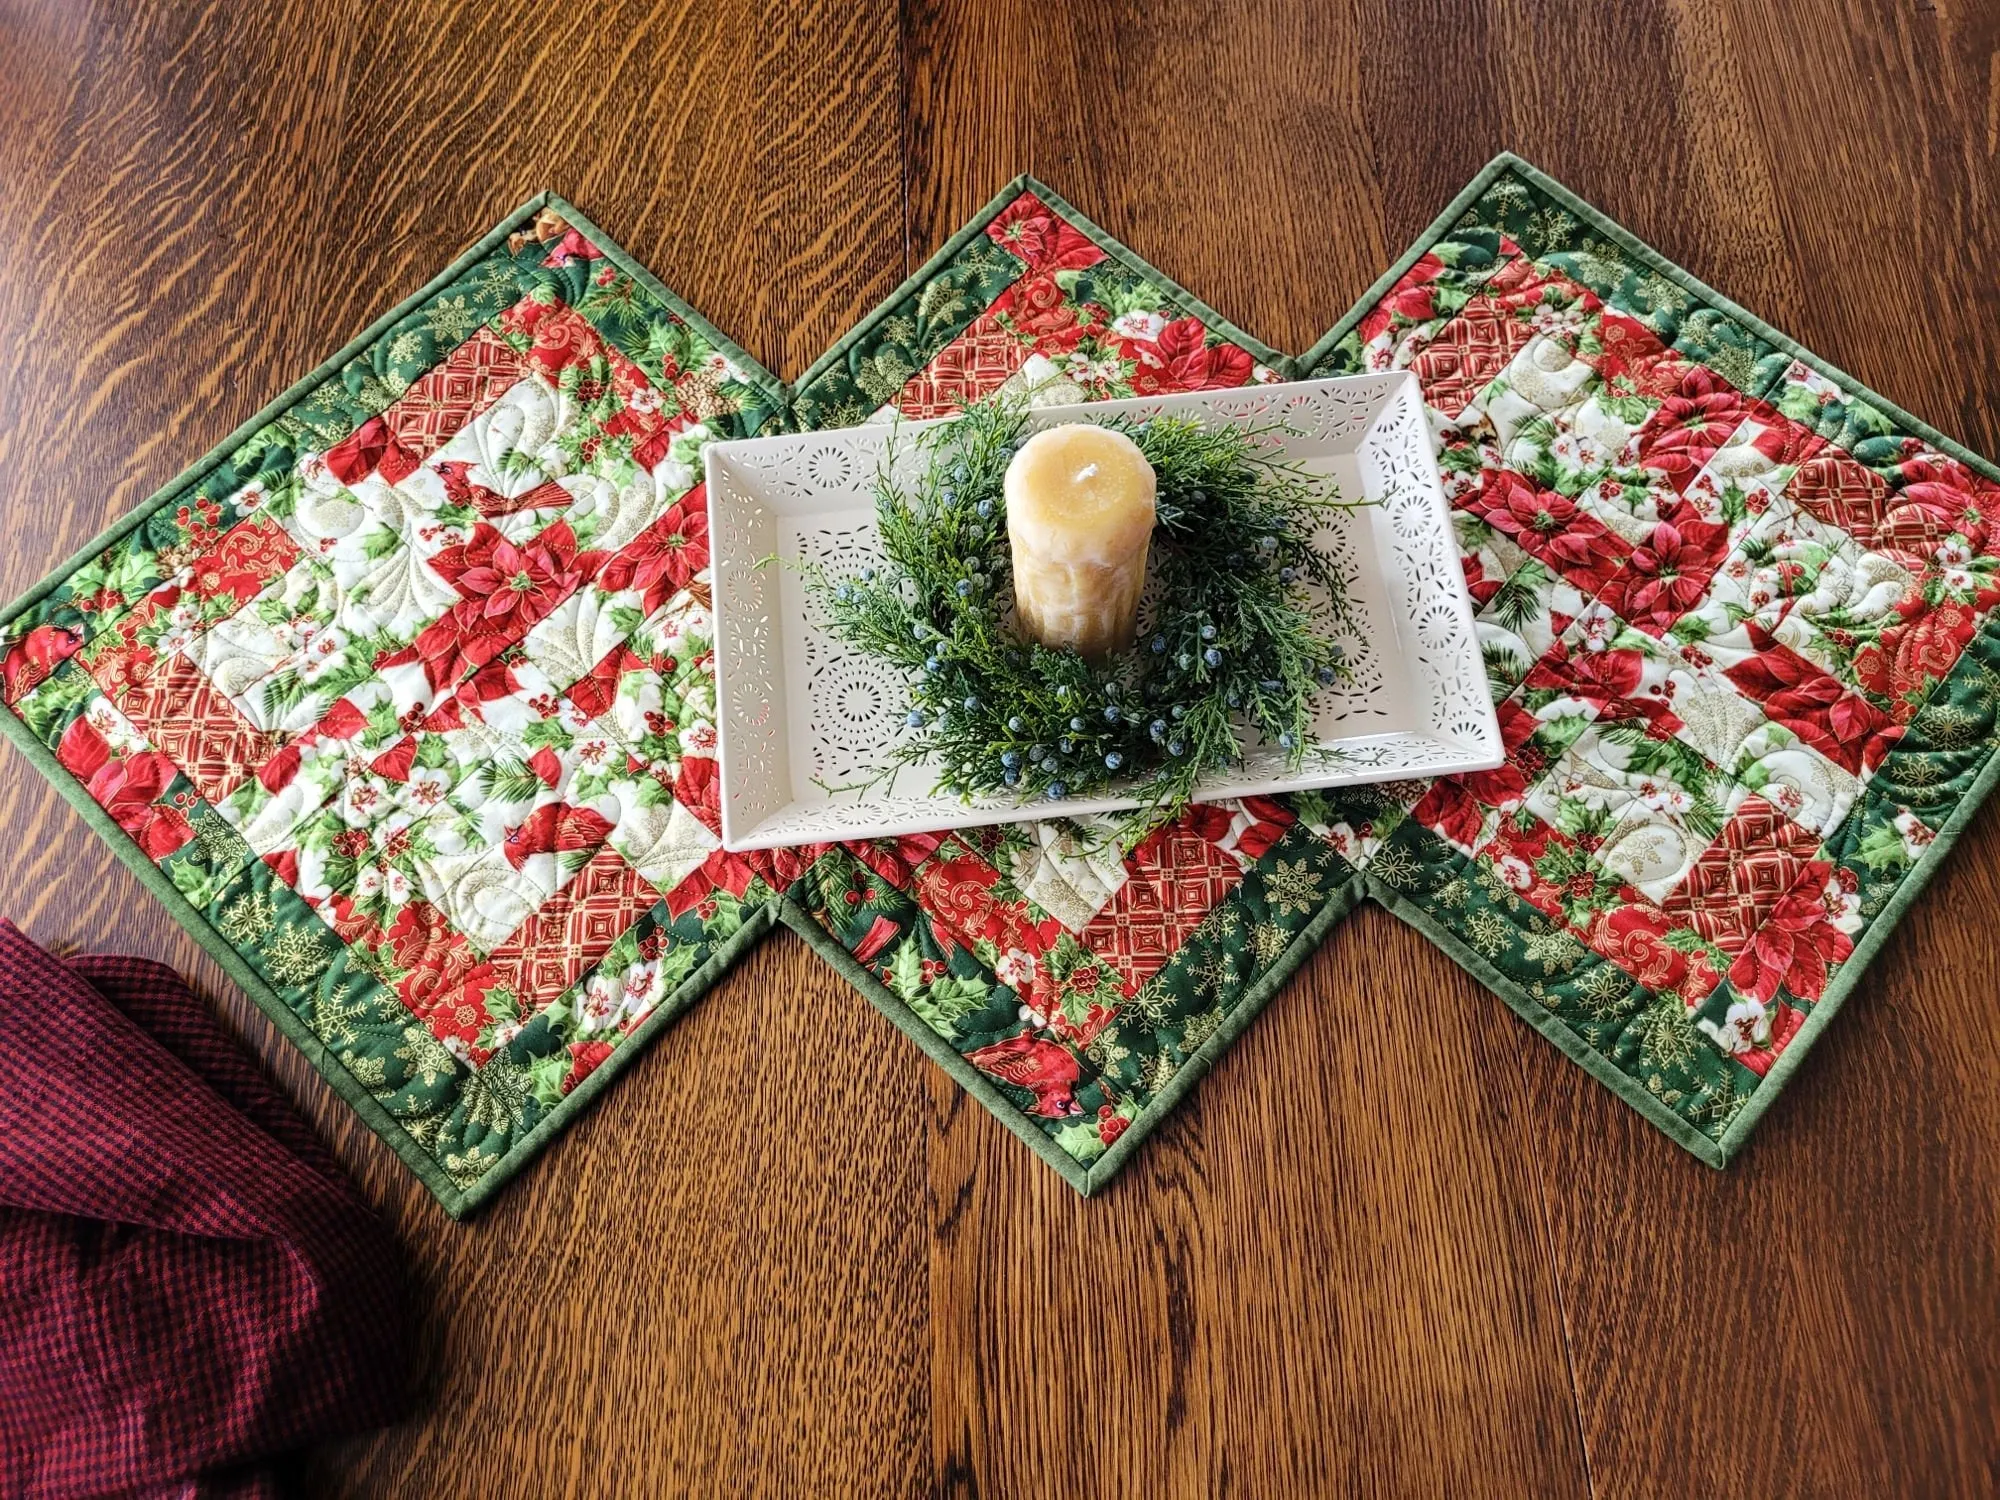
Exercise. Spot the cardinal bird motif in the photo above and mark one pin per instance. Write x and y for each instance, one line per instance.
(553, 829)
(460, 489)
(1048, 1070)
(37, 654)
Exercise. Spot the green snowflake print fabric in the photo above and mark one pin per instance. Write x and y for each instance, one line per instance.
(402, 699)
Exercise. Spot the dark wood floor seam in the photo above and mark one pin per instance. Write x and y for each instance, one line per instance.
(1548, 1238)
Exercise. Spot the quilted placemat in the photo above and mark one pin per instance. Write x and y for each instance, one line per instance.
(401, 699)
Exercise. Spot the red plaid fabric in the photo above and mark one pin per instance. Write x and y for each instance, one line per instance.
(188, 1286)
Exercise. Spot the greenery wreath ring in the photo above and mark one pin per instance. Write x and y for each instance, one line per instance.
(1227, 641)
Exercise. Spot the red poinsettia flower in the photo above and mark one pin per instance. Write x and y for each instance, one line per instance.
(584, 1058)
(521, 584)
(1454, 806)
(504, 591)
(1610, 680)
(30, 660)
(1515, 504)
(1932, 499)
(780, 867)
(1549, 525)
(594, 694)
(1668, 574)
(720, 871)
(1813, 704)
(127, 789)
(698, 788)
(343, 720)
(896, 860)
(1029, 229)
(284, 863)
(664, 558)
(1191, 363)
(1683, 434)
(489, 684)
(1187, 837)
(1784, 441)
(1412, 299)
(1478, 584)
(1797, 944)
(1269, 819)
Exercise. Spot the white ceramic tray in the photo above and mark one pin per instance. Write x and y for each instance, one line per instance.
(799, 712)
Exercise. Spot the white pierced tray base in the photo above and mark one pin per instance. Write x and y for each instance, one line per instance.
(800, 711)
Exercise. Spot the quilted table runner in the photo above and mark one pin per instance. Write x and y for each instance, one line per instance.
(402, 698)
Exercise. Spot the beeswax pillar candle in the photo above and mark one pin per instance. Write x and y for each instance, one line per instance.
(1080, 517)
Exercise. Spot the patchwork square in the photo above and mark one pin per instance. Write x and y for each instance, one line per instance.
(1467, 353)
(568, 934)
(1173, 881)
(978, 361)
(471, 379)
(1732, 888)
(408, 700)
(196, 726)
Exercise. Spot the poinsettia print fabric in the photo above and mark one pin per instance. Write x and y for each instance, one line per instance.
(410, 698)
(1735, 620)
(1727, 607)
(1032, 304)
(1077, 980)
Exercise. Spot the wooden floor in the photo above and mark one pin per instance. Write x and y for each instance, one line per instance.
(1396, 1243)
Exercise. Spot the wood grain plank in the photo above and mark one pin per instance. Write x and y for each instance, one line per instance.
(1329, 1250)
(1821, 1319)
(695, 1283)
(1396, 1244)
(1336, 1234)
(151, 303)
(1146, 117)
